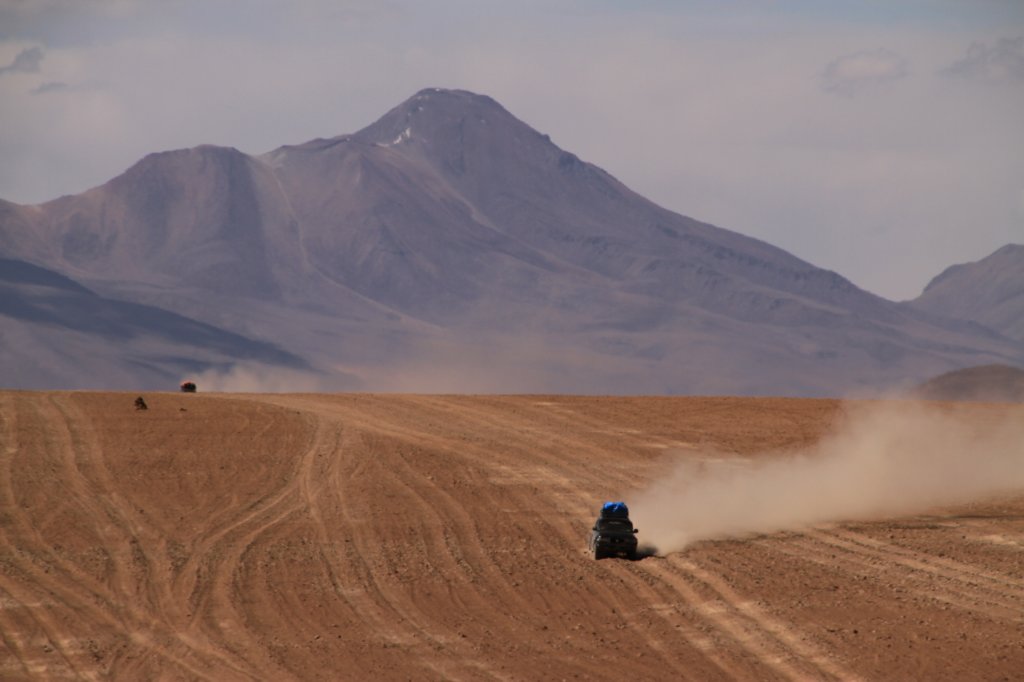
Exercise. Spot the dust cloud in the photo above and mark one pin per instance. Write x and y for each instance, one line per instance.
(882, 459)
(261, 379)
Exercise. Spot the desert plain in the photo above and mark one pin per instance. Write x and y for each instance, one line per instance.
(361, 536)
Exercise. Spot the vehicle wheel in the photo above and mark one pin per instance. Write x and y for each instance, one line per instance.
(597, 554)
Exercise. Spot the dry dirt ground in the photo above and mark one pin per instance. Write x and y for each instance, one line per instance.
(236, 537)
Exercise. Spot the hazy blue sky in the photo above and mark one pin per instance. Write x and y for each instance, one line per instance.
(881, 139)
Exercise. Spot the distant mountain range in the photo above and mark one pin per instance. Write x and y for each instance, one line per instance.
(55, 327)
(446, 247)
(990, 291)
(987, 383)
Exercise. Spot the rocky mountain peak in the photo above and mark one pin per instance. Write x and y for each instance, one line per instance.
(459, 132)
(433, 115)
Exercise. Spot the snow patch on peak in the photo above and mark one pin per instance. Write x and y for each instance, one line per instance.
(402, 137)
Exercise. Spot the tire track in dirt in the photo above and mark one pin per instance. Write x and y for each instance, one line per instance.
(650, 577)
(209, 580)
(15, 661)
(791, 638)
(452, 534)
(54, 573)
(724, 619)
(147, 550)
(457, 659)
(953, 580)
(11, 625)
(370, 598)
(40, 620)
(675, 608)
(768, 641)
(301, 503)
(954, 587)
(937, 577)
(895, 579)
(381, 606)
(791, 641)
(430, 536)
(647, 587)
(140, 566)
(97, 609)
(531, 455)
(581, 503)
(464, 543)
(966, 573)
(70, 588)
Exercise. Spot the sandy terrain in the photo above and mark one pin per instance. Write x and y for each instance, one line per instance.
(233, 537)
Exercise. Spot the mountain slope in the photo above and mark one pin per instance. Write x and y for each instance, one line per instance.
(450, 244)
(989, 383)
(989, 291)
(57, 333)
(550, 199)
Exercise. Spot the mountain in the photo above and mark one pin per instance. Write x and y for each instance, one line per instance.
(988, 383)
(450, 247)
(989, 291)
(54, 325)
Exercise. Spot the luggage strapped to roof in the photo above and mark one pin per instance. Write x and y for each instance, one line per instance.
(615, 510)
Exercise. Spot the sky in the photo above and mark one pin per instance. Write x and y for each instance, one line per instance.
(882, 140)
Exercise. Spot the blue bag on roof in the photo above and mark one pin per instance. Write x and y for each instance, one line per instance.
(615, 509)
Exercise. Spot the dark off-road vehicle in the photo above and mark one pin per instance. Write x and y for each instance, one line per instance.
(613, 533)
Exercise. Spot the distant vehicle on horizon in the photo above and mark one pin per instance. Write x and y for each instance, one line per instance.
(188, 387)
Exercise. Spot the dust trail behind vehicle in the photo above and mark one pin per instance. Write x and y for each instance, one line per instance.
(882, 459)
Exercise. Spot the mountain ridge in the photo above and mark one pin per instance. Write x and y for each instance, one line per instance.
(448, 226)
(987, 383)
(989, 291)
(158, 343)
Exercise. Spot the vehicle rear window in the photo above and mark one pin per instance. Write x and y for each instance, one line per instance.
(614, 524)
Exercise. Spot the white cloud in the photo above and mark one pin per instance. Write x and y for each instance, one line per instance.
(859, 71)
